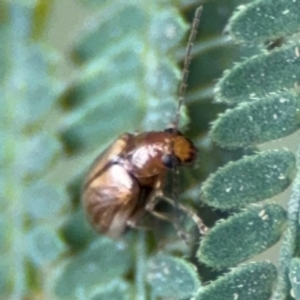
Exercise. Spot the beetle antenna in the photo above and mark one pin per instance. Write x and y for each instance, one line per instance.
(181, 99)
(187, 62)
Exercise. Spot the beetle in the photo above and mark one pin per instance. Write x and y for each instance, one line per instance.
(126, 179)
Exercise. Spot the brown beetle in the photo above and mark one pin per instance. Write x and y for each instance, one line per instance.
(125, 180)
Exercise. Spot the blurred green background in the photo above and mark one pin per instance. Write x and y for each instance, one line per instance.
(74, 75)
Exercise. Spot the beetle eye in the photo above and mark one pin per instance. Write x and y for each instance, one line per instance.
(168, 160)
(172, 130)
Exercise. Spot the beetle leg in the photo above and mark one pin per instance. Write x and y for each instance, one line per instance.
(165, 217)
(133, 224)
(161, 216)
(152, 203)
(135, 218)
(203, 229)
(156, 194)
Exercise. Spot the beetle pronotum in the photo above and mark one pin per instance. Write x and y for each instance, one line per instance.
(126, 179)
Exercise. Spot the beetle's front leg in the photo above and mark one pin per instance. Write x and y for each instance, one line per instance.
(155, 195)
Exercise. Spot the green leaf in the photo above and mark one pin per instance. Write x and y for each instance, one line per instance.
(4, 222)
(94, 3)
(40, 91)
(29, 148)
(290, 240)
(95, 80)
(265, 20)
(5, 265)
(115, 290)
(44, 246)
(111, 27)
(76, 230)
(260, 75)
(172, 277)
(294, 276)
(249, 180)
(5, 275)
(44, 201)
(242, 236)
(247, 282)
(258, 122)
(39, 152)
(102, 119)
(4, 50)
(37, 91)
(102, 262)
